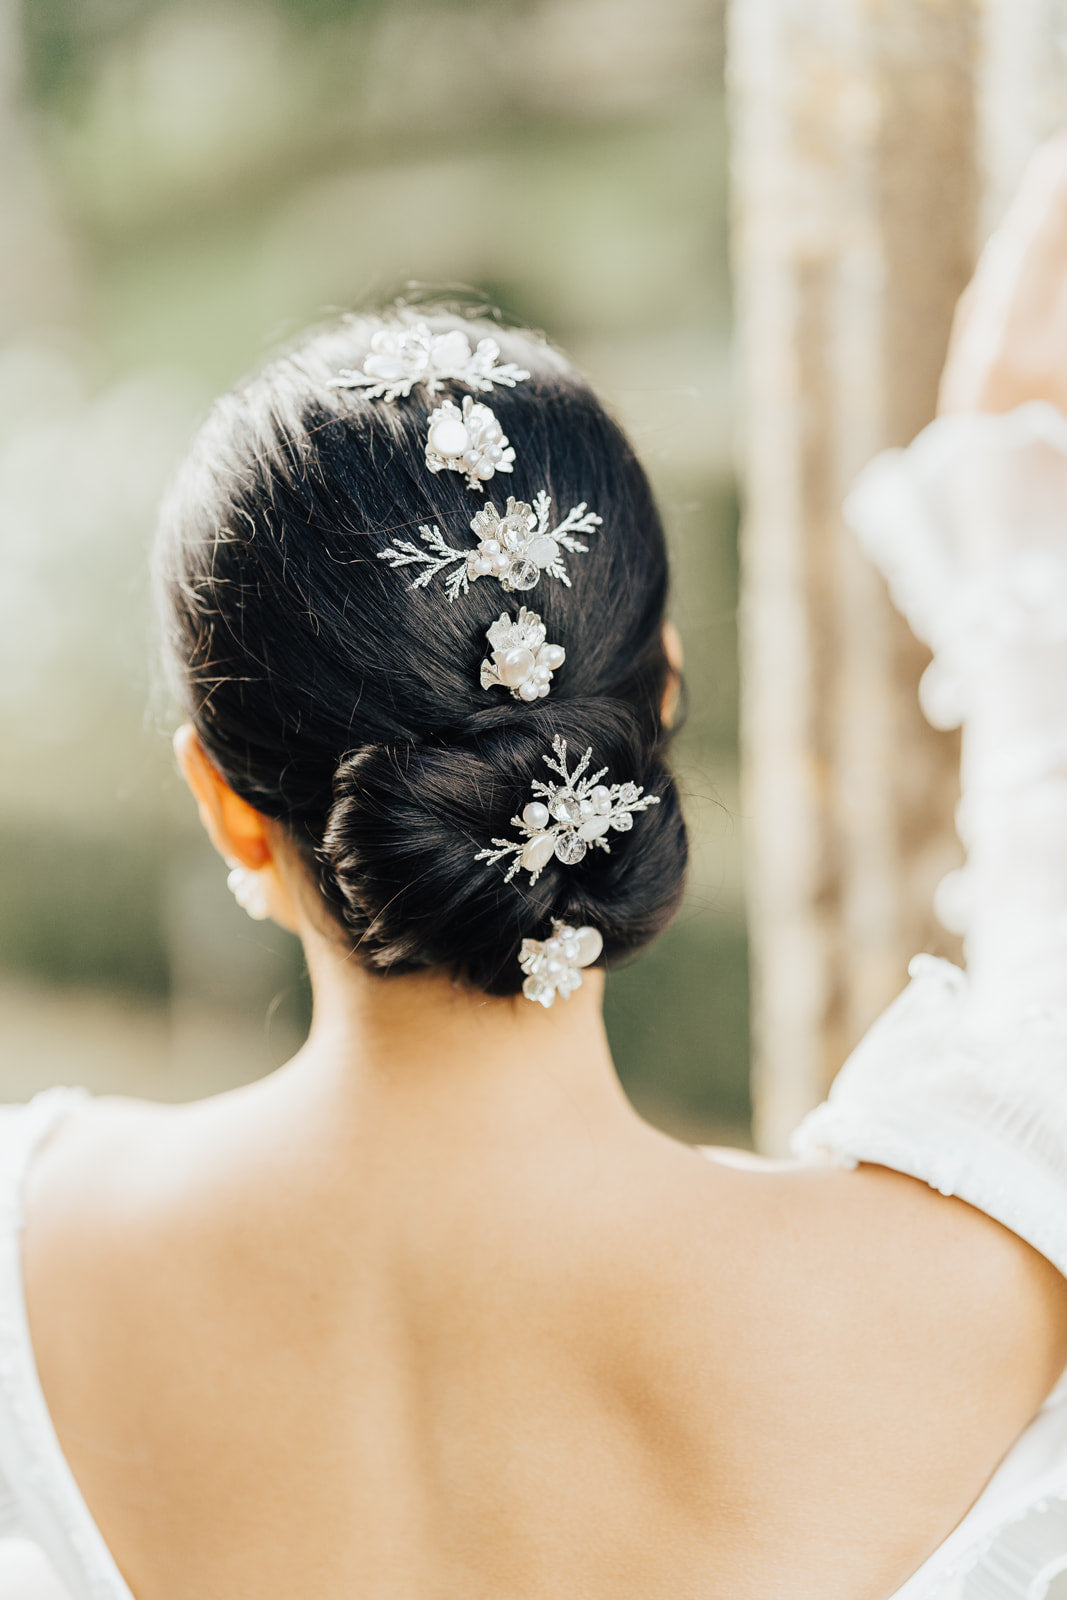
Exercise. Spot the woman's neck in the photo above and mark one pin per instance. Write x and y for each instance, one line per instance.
(422, 1051)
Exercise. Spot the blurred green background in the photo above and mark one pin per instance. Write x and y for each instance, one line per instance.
(183, 186)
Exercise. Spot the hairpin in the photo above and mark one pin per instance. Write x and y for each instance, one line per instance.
(401, 357)
(515, 548)
(522, 661)
(470, 441)
(553, 965)
(571, 816)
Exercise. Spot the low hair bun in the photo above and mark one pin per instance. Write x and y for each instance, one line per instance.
(398, 854)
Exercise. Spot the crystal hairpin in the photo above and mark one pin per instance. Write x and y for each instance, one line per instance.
(470, 441)
(553, 965)
(571, 816)
(514, 548)
(402, 357)
(522, 661)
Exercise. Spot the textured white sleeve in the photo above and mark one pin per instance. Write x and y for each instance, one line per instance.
(963, 1081)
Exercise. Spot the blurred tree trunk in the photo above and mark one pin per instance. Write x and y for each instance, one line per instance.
(856, 195)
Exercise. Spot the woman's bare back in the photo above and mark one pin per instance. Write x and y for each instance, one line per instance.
(293, 1353)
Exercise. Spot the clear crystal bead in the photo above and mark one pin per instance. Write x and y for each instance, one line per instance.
(566, 807)
(570, 849)
(522, 575)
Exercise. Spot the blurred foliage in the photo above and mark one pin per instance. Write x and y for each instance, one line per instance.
(678, 1024)
(206, 177)
(85, 909)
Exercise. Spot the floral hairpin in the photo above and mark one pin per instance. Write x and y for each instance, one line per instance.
(514, 548)
(470, 441)
(553, 965)
(571, 817)
(522, 661)
(402, 357)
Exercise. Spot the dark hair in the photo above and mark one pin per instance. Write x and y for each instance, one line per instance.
(346, 705)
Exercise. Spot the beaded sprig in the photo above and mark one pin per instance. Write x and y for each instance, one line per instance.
(570, 818)
(402, 357)
(514, 548)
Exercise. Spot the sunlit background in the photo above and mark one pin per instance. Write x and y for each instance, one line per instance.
(182, 186)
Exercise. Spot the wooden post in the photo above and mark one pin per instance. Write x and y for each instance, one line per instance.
(856, 216)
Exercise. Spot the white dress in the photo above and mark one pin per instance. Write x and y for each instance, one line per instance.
(962, 1083)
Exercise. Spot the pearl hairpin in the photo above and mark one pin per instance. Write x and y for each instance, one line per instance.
(470, 441)
(553, 965)
(514, 548)
(569, 818)
(522, 661)
(401, 357)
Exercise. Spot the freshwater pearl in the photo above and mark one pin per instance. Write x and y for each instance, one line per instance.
(483, 566)
(448, 437)
(530, 691)
(589, 945)
(540, 674)
(594, 827)
(586, 809)
(553, 656)
(601, 798)
(501, 561)
(535, 816)
(515, 665)
(490, 547)
(383, 366)
(537, 852)
(543, 551)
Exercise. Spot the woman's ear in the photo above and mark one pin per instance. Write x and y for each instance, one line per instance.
(236, 829)
(672, 649)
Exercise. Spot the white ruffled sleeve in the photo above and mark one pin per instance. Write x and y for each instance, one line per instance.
(963, 1081)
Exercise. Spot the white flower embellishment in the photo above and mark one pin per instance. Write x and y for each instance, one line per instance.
(570, 817)
(553, 965)
(522, 661)
(514, 548)
(470, 441)
(402, 357)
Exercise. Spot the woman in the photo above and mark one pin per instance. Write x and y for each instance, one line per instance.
(430, 1312)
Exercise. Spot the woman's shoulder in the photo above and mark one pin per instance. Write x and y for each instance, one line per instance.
(965, 1092)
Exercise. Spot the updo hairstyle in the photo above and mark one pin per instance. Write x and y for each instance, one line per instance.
(347, 706)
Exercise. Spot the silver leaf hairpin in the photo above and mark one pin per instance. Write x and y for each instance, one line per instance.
(553, 965)
(569, 818)
(470, 441)
(514, 548)
(402, 357)
(522, 661)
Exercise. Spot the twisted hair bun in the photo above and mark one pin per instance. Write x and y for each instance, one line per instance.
(408, 820)
(348, 705)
